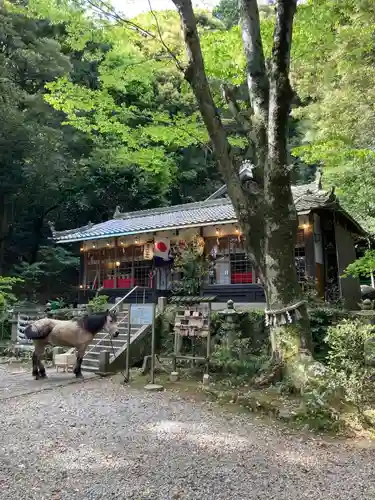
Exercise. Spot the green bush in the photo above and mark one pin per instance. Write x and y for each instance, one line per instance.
(346, 343)
(164, 330)
(321, 319)
(238, 359)
(98, 304)
(5, 330)
(346, 381)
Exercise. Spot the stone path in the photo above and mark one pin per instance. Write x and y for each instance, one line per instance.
(16, 380)
(98, 440)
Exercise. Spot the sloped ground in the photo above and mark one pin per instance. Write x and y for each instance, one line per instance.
(99, 440)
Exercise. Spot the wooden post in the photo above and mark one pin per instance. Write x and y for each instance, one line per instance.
(85, 269)
(127, 369)
(208, 352)
(153, 346)
(99, 283)
(176, 350)
(132, 270)
(115, 252)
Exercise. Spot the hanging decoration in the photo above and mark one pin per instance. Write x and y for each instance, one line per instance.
(182, 245)
(148, 251)
(214, 251)
(198, 244)
(218, 237)
(284, 316)
(161, 248)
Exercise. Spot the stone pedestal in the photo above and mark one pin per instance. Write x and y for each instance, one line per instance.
(104, 363)
(14, 323)
(173, 377)
(154, 387)
(162, 304)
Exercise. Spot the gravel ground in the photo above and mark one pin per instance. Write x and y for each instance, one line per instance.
(97, 440)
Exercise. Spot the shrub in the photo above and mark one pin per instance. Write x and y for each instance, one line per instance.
(238, 359)
(346, 343)
(164, 329)
(98, 303)
(321, 319)
(346, 380)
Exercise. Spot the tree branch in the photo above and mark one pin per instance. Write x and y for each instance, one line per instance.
(257, 81)
(235, 109)
(256, 67)
(248, 206)
(195, 75)
(106, 9)
(178, 64)
(281, 94)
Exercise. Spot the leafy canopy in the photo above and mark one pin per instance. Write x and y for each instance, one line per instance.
(362, 267)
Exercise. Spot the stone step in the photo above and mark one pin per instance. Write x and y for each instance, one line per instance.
(88, 368)
(122, 329)
(102, 342)
(123, 333)
(92, 356)
(106, 347)
(94, 363)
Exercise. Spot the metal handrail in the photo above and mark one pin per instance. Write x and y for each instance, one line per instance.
(124, 297)
(112, 309)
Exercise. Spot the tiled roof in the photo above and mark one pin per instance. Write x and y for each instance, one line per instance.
(307, 197)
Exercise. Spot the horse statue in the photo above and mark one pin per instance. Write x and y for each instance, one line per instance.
(77, 333)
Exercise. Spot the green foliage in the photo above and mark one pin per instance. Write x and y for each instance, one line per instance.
(164, 330)
(7, 296)
(238, 359)
(346, 384)
(227, 11)
(347, 345)
(321, 319)
(98, 304)
(363, 266)
(49, 274)
(135, 140)
(333, 72)
(191, 265)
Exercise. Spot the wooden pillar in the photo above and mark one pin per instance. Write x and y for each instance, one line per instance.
(318, 255)
(83, 267)
(309, 248)
(115, 254)
(132, 271)
(99, 252)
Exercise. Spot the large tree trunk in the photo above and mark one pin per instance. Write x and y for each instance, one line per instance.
(281, 284)
(264, 207)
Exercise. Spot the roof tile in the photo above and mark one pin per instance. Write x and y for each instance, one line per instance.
(306, 198)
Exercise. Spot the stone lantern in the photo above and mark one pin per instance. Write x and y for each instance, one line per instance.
(231, 327)
(367, 312)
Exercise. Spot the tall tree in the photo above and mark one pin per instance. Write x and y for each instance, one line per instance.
(265, 206)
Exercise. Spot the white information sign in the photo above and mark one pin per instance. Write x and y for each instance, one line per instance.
(141, 314)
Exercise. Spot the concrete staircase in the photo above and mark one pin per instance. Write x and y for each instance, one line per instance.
(102, 342)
